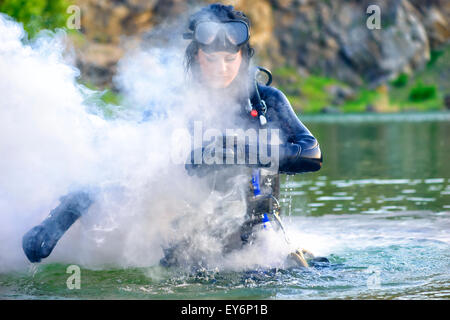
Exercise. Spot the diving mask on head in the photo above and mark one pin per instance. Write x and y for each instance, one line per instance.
(220, 36)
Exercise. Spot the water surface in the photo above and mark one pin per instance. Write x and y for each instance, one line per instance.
(379, 210)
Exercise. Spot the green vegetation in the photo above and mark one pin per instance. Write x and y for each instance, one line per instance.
(400, 81)
(422, 91)
(306, 94)
(364, 98)
(312, 94)
(37, 14)
(434, 56)
(109, 102)
(426, 89)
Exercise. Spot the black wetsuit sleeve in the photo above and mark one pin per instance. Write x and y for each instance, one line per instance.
(300, 151)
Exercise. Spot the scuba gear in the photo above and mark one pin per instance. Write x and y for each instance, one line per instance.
(40, 241)
(236, 32)
(206, 24)
(262, 203)
(271, 211)
(217, 28)
(300, 152)
(259, 106)
(256, 106)
(267, 72)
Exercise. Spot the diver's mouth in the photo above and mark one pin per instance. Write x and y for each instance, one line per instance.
(221, 79)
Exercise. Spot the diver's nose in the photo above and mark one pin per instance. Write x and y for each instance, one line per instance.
(222, 67)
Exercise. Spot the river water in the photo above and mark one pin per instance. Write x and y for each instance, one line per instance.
(379, 210)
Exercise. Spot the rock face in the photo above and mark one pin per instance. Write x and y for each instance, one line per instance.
(332, 38)
(435, 16)
(326, 37)
(111, 27)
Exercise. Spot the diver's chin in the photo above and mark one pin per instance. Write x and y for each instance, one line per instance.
(218, 85)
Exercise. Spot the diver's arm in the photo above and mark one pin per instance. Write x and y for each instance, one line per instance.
(292, 158)
(301, 151)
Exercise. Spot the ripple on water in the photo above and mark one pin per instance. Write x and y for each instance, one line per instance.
(367, 195)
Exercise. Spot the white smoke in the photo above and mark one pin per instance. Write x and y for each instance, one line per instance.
(53, 142)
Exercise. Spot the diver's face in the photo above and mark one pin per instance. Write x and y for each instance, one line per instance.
(219, 69)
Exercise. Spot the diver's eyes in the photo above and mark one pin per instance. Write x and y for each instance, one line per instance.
(211, 58)
(216, 59)
(230, 58)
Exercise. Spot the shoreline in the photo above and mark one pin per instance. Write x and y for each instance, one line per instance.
(405, 116)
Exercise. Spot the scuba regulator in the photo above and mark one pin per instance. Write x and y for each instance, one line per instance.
(259, 107)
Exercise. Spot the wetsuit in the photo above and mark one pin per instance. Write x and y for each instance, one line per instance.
(300, 152)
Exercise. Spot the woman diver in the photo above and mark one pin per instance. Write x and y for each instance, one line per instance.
(218, 60)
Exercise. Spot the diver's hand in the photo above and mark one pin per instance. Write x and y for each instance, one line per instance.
(204, 160)
(289, 154)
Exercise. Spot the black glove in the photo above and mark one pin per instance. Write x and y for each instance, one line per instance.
(209, 161)
(289, 158)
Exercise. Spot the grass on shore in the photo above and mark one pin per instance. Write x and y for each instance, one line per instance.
(422, 91)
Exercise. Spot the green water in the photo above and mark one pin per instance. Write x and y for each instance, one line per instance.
(379, 210)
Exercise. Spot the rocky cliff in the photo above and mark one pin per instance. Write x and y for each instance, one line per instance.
(317, 36)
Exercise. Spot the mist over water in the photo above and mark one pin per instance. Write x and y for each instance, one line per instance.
(54, 140)
(379, 207)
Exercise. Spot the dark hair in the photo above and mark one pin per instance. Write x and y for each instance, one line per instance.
(216, 12)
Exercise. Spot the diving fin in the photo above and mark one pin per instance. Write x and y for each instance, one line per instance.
(305, 258)
(299, 258)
